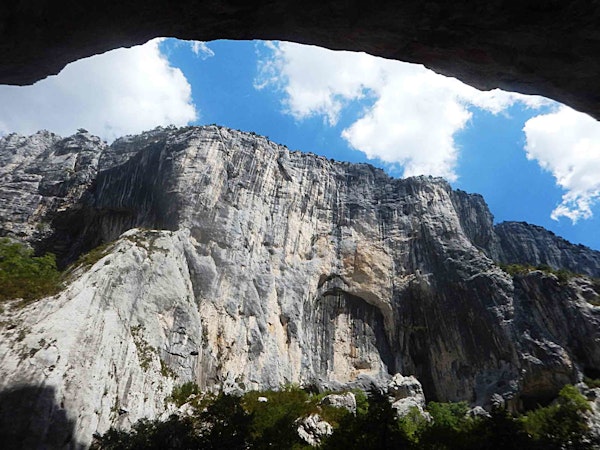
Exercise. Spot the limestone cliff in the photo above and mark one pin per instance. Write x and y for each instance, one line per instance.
(239, 264)
(530, 244)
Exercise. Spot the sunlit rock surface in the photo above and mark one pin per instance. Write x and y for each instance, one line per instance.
(244, 265)
(528, 244)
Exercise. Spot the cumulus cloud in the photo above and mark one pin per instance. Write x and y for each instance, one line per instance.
(567, 144)
(414, 113)
(119, 92)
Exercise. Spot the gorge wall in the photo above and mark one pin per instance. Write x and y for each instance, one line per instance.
(238, 264)
(535, 47)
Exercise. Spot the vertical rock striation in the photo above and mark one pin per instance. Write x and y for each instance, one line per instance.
(244, 265)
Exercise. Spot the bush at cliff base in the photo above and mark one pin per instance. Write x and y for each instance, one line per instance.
(226, 421)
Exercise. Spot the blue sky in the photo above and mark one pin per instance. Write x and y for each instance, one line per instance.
(532, 159)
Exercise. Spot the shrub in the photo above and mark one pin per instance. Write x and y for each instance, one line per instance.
(274, 422)
(174, 434)
(223, 424)
(29, 277)
(362, 401)
(224, 421)
(516, 269)
(561, 424)
(180, 394)
(592, 382)
(90, 258)
(377, 428)
(448, 415)
(563, 275)
(413, 424)
(450, 426)
(23, 275)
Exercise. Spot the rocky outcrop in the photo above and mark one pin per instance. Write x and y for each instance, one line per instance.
(113, 342)
(548, 48)
(347, 400)
(313, 429)
(41, 175)
(406, 395)
(242, 265)
(524, 243)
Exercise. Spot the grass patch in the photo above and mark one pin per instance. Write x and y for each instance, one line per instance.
(90, 258)
(592, 382)
(166, 371)
(144, 350)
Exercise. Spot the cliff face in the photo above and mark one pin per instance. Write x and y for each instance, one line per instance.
(529, 244)
(245, 265)
(42, 175)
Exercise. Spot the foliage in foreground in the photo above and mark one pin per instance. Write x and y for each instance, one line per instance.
(23, 275)
(225, 421)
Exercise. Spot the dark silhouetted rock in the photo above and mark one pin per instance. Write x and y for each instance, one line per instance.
(535, 47)
(32, 418)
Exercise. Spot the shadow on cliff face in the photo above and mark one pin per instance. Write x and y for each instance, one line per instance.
(30, 418)
(351, 335)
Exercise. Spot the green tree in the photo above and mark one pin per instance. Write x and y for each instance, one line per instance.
(499, 431)
(377, 428)
(223, 424)
(180, 394)
(173, 434)
(274, 422)
(561, 425)
(23, 275)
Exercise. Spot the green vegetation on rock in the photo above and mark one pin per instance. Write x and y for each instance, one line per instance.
(592, 382)
(90, 258)
(144, 350)
(182, 393)
(563, 275)
(25, 276)
(560, 425)
(28, 277)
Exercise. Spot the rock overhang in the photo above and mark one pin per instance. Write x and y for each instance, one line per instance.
(547, 48)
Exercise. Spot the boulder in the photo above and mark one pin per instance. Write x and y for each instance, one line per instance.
(346, 401)
(312, 429)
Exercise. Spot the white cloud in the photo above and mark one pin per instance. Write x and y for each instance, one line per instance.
(411, 126)
(415, 113)
(119, 92)
(567, 144)
(317, 81)
(201, 50)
